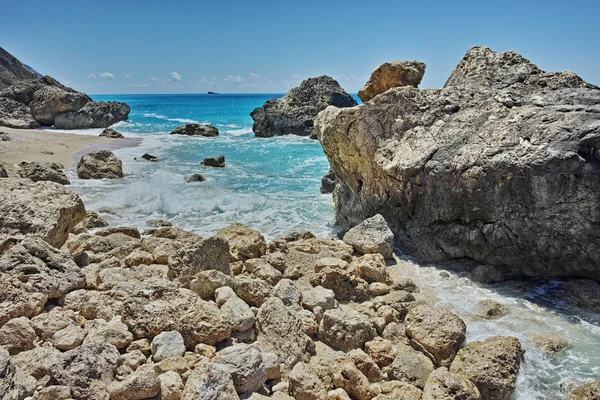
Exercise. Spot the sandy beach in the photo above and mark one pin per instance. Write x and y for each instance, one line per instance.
(45, 145)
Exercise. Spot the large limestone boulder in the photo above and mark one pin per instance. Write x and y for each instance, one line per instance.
(373, 235)
(17, 335)
(43, 171)
(100, 164)
(436, 330)
(444, 385)
(45, 209)
(16, 115)
(196, 130)
(305, 384)
(439, 164)
(345, 329)
(410, 366)
(244, 242)
(49, 101)
(142, 384)
(295, 112)
(95, 114)
(392, 74)
(492, 365)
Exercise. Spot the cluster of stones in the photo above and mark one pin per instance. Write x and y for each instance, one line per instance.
(167, 314)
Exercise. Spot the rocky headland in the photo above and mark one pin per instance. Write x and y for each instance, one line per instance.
(500, 168)
(295, 112)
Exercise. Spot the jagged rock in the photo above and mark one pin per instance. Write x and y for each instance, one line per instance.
(382, 351)
(133, 359)
(246, 367)
(111, 134)
(486, 274)
(252, 291)
(55, 393)
(43, 171)
(17, 335)
(218, 162)
(206, 282)
(92, 220)
(16, 115)
(439, 164)
(437, 330)
(47, 324)
(287, 291)
(589, 391)
(238, 313)
(125, 230)
(373, 235)
(100, 164)
(410, 366)
(50, 101)
(196, 130)
(319, 297)
(45, 209)
(149, 157)
(305, 384)
(550, 344)
(37, 361)
(490, 309)
(259, 268)
(87, 369)
(281, 332)
(14, 384)
(345, 281)
(583, 293)
(392, 74)
(209, 382)
(295, 112)
(13, 70)
(444, 385)
(366, 365)
(114, 332)
(244, 243)
(345, 375)
(142, 384)
(195, 178)
(492, 365)
(328, 182)
(345, 329)
(95, 114)
(372, 268)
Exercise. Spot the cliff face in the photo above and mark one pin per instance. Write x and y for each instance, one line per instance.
(501, 166)
(13, 70)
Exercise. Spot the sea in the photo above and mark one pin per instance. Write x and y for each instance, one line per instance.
(272, 185)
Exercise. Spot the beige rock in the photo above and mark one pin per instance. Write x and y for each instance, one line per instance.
(47, 324)
(137, 258)
(372, 268)
(392, 74)
(319, 297)
(337, 394)
(36, 362)
(246, 366)
(223, 294)
(133, 359)
(550, 344)
(272, 365)
(492, 365)
(410, 366)
(17, 335)
(397, 390)
(344, 280)
(114, 332)
(55, 393)
(253, 291)
(490, 309)
(68, 338)
(309, 322)
(345, 375)
(171, 386)
(444, 385)
(209, 382)
(167, 344)
(244, 242)
(437, 330)
(142, 345)
(206, 282)
(142, 384)
(378, 289)
(345, 329)
(305, 384)
(588, 391)
(100, 164)
(366, 365)
(238, 313)
(382, 351)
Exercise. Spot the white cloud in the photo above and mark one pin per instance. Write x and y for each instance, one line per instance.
(176, 76)
(154, 79)
(232, 78)
(254, 75)
(91, 76)
(107, 75)
(128, 76)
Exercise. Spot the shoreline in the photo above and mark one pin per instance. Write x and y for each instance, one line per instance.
(51, 146)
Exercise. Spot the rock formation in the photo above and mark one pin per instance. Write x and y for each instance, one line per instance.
(218, 162)
(196, 130)
(501, 166)
(111, 134)
(295, 112)
(12, 70)
(95, 114)
(100, 164)
(43, 171)
(391, 75)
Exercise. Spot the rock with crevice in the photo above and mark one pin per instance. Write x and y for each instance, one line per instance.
(94, 114)
(440, 164)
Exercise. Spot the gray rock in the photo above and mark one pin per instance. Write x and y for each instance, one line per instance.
(287, 291)
(490, 309)
(206, 282)
(440, 164)
(246, 366)
(3, 173)
(486, 274)
(100, 164)
(45, 209)
(196, 130)
(95, 114)
(209, 382)
(218, 162)
(238, 313)
(444, 385)
(295, 112)
(328, 182)
(319, 297)
(345, 329)
(50, 101)
(392, 74)
(167, 344)
(13, 70)
(16, 115)
(17, 335)
(195, 178)
(583, 293)
(410, 366)
(68, 338)
(43, 171)
(111, 134)
(373, 235)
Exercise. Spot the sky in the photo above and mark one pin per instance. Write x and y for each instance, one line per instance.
(135, 46)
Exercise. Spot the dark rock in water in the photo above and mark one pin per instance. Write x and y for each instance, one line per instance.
(100, 164)
(390, 75)
(3, 173)
(295, 112)
(111, 133)
(149, 157)
(583, 293)
(196, 130)
(214, 162)
(212, 93)
(195, 178)
(328, 182)
(12, 70)
(500, 167)
(43, 171)
(486, 274)
(95, 114)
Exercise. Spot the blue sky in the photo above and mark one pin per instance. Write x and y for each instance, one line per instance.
(134, 46)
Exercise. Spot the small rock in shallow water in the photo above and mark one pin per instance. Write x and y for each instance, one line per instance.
(218, 162)
(490, 309)
(149, 157)
(196, 130)
(111, 133)
(550, 344)
(195, 178)
(100, 164)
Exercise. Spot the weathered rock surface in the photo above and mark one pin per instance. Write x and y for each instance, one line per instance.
(43, 171)
(209, 382)
(373, 235)
(217, 162)
(589, 391)
(584, 293)
(345, 329)
(196, 130)
(295, 112)
(444, 385)
(3, 173)
(111, 134)
(17, 335)
(50, 101)
(100, 164)
(167, 344)
(305, 384)
(12, 70)
(328, 182)
(490, 309)
(492, 365)
(16, 115)
(195, 178)
(410, 366)
(95, 114)
(246, 366)
(244, 243)
(390, 75)
(45, 209)
(439, 164)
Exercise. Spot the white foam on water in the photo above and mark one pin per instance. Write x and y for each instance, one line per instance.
(164, 117)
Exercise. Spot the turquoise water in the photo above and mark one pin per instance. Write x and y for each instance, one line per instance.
(271, 185)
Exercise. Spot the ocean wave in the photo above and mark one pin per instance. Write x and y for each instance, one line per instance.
(239, 132)
(164, 117)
